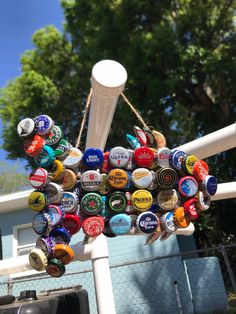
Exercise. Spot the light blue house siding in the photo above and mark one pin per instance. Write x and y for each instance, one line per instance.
(147, 288)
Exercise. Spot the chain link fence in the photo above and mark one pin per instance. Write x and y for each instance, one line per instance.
(177, 283)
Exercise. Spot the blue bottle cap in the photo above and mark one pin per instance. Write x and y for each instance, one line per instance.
(120, 224)
(44, 123)
(69, 202)
(93, 158)
(60, 235)
(147, 222)
(210, 185)
(177, 159)
(41, 223)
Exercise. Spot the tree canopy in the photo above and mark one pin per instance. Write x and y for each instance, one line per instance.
(180, 56)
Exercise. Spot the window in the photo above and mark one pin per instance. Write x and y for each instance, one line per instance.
(24, 239)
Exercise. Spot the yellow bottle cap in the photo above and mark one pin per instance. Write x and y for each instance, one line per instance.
(189, 163)
(58, 169)
(142, 200)
(180, 219)
(63, 253)
(37, 201)
(69, 179)
(118, 178)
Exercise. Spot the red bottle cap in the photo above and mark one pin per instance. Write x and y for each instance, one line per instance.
(72, 223)
(93, 226)
(200, 170)
(190, 209)
(143, 156)
(34, 145)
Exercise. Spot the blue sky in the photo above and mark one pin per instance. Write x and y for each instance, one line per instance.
(19, 19)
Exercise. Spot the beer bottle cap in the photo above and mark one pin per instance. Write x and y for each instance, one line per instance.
(120, 224)
(91, 204)
(190, 209)
(147, 222)
(187, 186)
(55, 268)
(119, 157)
(62, 149)
(69, 179)
(163, 155)
(41, 224)
(39, 178)
(69, 202)
(93, 226)
(63, 253)
(189, 163)
(93, 158)
(143, 156)
(91, 180)
(57, 170)
(73, 159)
(26, 127)
(180, 218)
(117, 201)
(166, 178)
(34, 145)
(142, 178)
(142, 200)
(200, 170)
(209, 185)
(38, 259)
(60, 235)
(118, 178)
(45, 124)
(159, 138)
(203, 201)
(54, 136)
(168, 199)
(168, 223)
(177, 159)
(37, 201)
(54, 192)
(72, 223)
(56, 214)
(45, 244)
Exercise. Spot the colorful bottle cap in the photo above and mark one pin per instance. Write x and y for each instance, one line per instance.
(163, 155)
(159, 138)
(69, 202)
(140, 135)
(147, 222)
(166, 178)
(117, 202)
(93, 226)
(189, 163)
(150, 137)
(131, 164)
(133, 142)
(63, 148)
(91, 204)
(187, 186)
(34, 145)
(56, 214)
(106, 164)
(39, 178)
(129, 209)
(73, 159)
(200, 170)
(55, 268)
(37, 201)
(63, 253)
(93, 158)
(118, 178)
(141, 178)
(60, 235)
(190, 209)
(41, 224)
(120, 224)
(45, 244)
(72, 223)
(54, 136)
(91, 180)
(46, 157)
(203, 201)
(38, 259)
(57, 171)
(142, 200)
(45, 124)
(168, 199)
(180, 219)
(69, 179)
(54, 192)
(177, 159)
(119, 157)
(26, 127)
(105, 185)
(143, 156)
(209, 185)
(168, 223)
